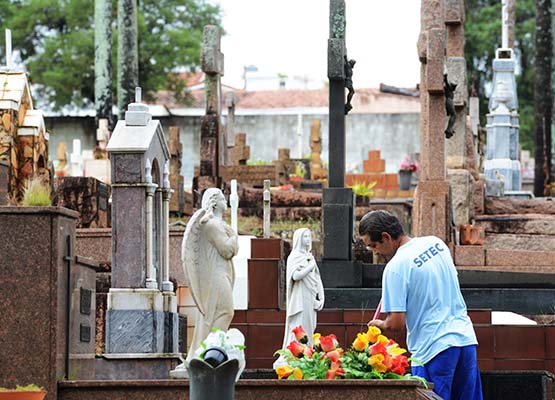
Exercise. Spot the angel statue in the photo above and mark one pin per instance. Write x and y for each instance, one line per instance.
(305, 291)
(209, 244)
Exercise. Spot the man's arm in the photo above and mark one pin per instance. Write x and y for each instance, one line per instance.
(394, 321)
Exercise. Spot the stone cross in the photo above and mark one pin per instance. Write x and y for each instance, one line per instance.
(128, 54)
(266, 198)
(103, 61)
(211, 132)
(336, 75)
(8, 48)
(240, 152)
(431, 203)
(76, 159)
(300, 135)
(229, 138)
(504, 24)
(234, 203)
(337, 200)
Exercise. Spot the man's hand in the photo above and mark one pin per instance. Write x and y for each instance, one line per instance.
(377, 323)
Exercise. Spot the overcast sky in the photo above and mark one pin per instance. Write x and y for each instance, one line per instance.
(290, 37)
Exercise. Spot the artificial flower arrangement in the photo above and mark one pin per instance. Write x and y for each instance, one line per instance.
(371, 356)
(407, 165)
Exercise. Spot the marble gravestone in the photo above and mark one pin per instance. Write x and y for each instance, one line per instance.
(142, 306)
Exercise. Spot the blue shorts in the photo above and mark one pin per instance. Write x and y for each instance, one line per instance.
(454, 373)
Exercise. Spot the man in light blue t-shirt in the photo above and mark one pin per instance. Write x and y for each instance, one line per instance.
(420, 289)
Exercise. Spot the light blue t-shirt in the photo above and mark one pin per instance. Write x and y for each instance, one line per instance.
(421, 280)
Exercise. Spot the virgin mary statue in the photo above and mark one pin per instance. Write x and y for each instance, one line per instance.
(305, 291)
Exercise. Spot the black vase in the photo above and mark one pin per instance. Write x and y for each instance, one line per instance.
(215, 356)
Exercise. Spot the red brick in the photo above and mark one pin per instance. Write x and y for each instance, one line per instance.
(485, 348)
(550, 366)
(373, 165)
(470, 256)
(550, 342)
(513, 342)
(486, 365)
(264, 340)
(263, 283)
(267, 248)
(260, 363)
(239, 317)
(358, 316)
(480, 316)
(392, 181)
(266, 316)
(520, 365)
(330, 316)
(374, 154)
(520, 257)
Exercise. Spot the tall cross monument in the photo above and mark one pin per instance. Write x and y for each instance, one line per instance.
(336, 265)
(431, 211)
(211, 132)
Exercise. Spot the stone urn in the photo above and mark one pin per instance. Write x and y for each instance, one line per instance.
(404, 179)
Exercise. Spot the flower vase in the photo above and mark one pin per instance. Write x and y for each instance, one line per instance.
(404, 180)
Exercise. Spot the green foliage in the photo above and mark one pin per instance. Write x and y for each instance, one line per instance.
(314, 367)
(27, 388)
(483, 37)
(363, 189)
(36, 193)
(56, 43)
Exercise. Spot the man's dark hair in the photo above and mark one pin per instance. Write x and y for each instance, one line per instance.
(375, 223)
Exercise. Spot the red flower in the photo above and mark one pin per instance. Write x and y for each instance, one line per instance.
(398, 365)
(296, 348)
(308, 352)
(378, 348)
(334, 373)
(300, 334)
(329, 343)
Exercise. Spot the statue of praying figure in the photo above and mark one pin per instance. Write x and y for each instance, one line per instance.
(349, 64)
(305, 291)
(209, 244)
(449, 89)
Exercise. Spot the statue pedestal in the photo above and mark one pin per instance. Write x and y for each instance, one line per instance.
(141, 321)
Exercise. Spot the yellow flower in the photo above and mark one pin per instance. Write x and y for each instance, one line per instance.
(373, 333)
(284, 371)
(316, 339)
(376, 362)
(297, 373)
(395, 350)
(361, 342)
(382, 339)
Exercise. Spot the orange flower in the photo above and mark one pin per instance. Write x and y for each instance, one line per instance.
(377, 363)
(377, 348)
(284, 371)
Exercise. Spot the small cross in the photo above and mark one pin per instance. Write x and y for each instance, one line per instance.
(138, 94)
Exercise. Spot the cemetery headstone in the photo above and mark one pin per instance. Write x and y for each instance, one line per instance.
(141, 318)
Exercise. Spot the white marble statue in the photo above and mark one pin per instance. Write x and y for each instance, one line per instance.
(209, 244)
(305, 291)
